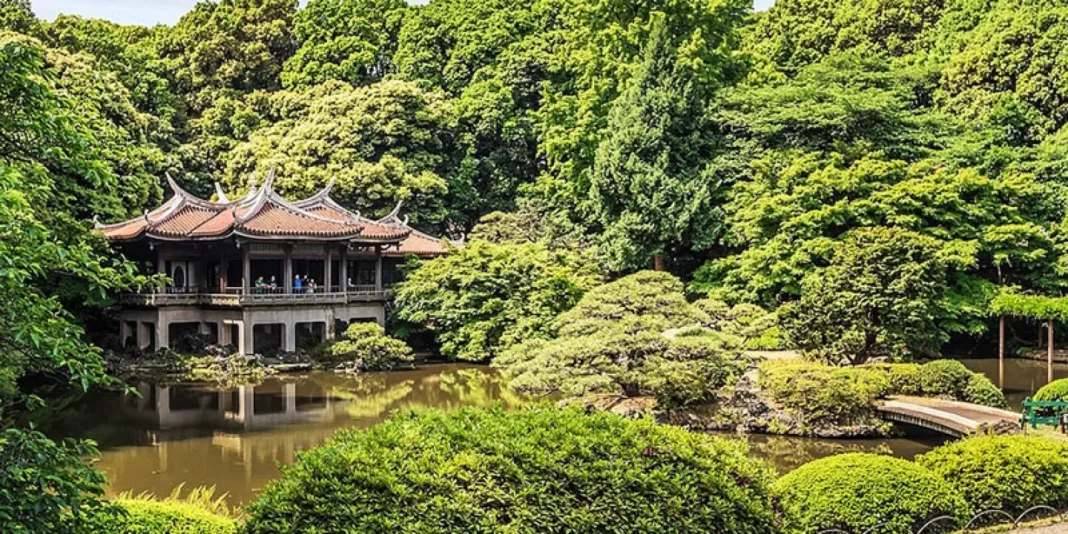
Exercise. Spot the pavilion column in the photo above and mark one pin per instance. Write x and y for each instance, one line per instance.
(328, 275)
(224, 268)
(378, 267)
(246, 271)
(344, 268)
(1001, 352)
(1049, 351)
(288, 269)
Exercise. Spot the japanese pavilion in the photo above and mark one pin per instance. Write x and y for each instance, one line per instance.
(233, 268)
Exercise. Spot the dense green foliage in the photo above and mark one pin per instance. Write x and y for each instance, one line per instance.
(544, 470)
(485, 297)
(149, 516)
(46, 486)
(818, 395)
(1011, 473)
(856, 492)
(367, 348)
(904, 378)
(1054, 391)
(875, 299)
(635, 336)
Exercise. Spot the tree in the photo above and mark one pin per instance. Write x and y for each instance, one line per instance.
(349, 40)
(380, 144)
(226, 48)
(483, 297)
(368, 348)
(635, 336)
(647, 184)
(878, 298)
(47, 164)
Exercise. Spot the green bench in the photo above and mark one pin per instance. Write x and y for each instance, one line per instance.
(1052, 413)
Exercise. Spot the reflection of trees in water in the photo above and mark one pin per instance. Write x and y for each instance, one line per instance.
(375, 395)
(786, 453)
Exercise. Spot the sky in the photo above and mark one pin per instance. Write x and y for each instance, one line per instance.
(149, 12)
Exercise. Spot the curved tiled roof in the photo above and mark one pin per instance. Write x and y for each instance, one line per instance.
(262, 214)
(416, 242)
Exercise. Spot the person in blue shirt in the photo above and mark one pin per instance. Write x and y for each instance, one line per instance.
(297, 283)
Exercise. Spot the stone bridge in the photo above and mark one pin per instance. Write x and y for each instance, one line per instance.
(957, 419)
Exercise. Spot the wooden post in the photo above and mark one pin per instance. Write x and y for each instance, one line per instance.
(344, 264)
(328, 275)
(246, 271)
(1049, 352)
(287, 270)
(658, 262)
(1001, 352)
(378, 267)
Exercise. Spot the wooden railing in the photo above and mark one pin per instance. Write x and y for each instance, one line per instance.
(234, 297)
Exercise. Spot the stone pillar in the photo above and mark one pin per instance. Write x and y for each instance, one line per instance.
(344, 268)
(245, 341)
(328, 275)
(142, 335)
(289, 336)
(124, 331)
(163, 333)
(224, 333)
(246, 271)
(223, 272)
(378, 267)
(288, 268)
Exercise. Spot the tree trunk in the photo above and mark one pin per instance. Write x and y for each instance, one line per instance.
(658, 262)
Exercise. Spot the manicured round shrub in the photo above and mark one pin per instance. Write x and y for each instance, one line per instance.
(536, 470)
(857, 491)
(980, 390)
(147, 516)
(1054, 391)
(1011, 473)
(904, 377)
(946, 378)
(819, 394)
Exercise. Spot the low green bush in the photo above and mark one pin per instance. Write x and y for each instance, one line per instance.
(149, 516)
(1054, 391)
(819, 394)
(367, 348)
(1010, 473)
(535, 470)
(946, 378)
(904, 377)
(980, 390)
(858, 491)
(951, 379)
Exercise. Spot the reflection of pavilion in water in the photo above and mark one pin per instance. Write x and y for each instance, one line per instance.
(248, 407)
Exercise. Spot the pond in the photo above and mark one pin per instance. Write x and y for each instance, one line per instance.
(234, 438)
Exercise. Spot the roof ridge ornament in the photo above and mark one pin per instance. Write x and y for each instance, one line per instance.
(220, 194)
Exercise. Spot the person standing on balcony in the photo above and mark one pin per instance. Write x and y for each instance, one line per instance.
(297, 283)
(273, 286)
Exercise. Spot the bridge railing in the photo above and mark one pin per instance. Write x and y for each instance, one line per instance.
(981, 520)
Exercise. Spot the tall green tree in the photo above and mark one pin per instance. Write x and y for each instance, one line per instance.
(648, 187)
(349, 40)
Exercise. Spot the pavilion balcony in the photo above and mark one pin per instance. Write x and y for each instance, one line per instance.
(256, 296)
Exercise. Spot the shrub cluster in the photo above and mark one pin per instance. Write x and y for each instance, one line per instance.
(639, 336)
(904, 377)
(536, 470)
(1054, 391)
(149, 516)
(819, 395)
(857, 491)
(950, 378)
(1010, 473)
(367, 348)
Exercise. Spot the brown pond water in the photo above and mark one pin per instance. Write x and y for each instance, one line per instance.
(234, 438)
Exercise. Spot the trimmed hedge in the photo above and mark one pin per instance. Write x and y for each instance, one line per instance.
(1054, 391)
(950, 378)
(819, 394)
(146, 516)
(536, 470)
(857, 491)
(904, 377)
(1011, 473)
